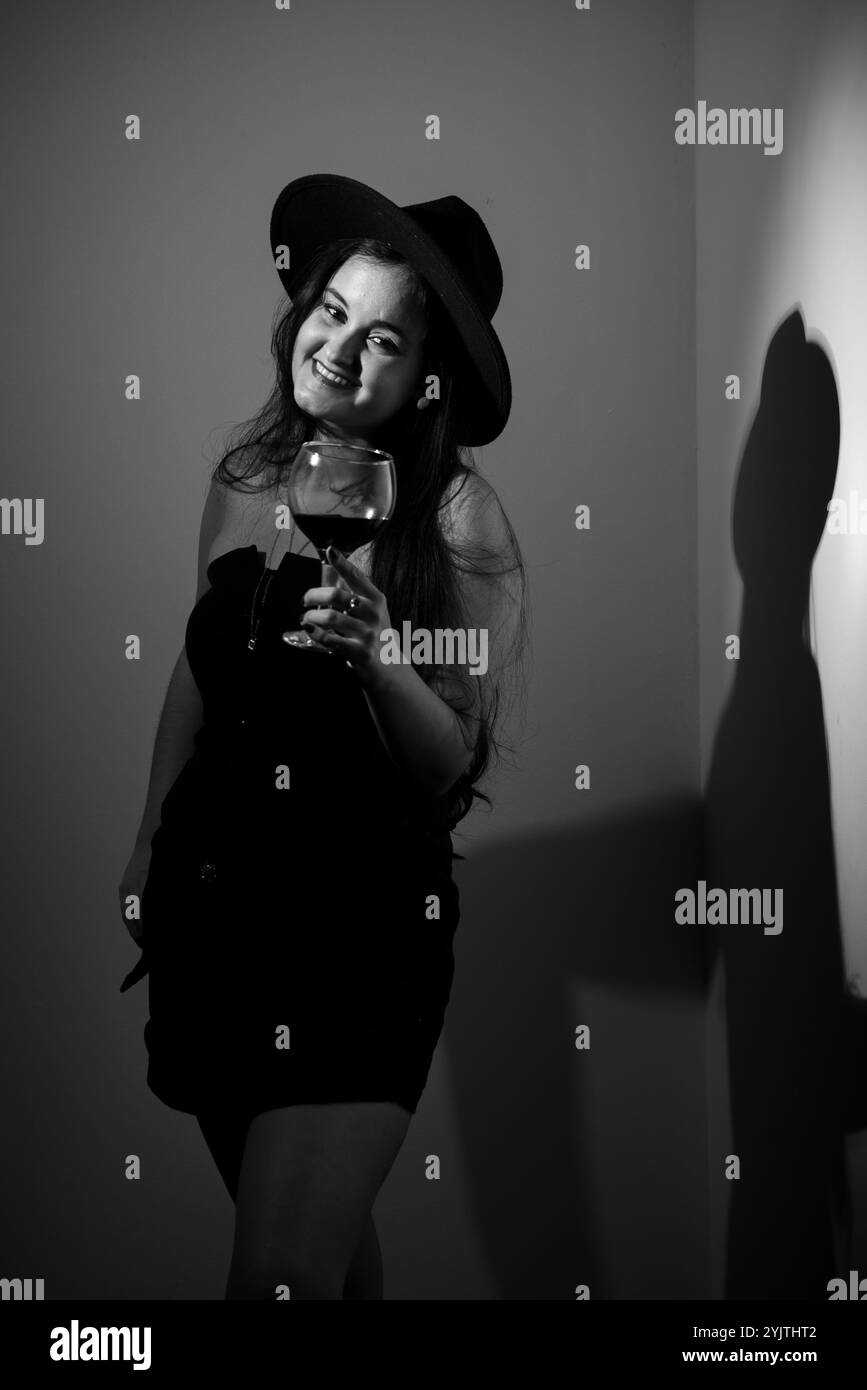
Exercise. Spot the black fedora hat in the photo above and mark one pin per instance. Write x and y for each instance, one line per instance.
(447, 242)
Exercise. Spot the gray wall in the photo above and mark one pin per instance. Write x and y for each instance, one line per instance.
(559, 1167)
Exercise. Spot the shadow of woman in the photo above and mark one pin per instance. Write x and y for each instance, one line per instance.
(768, 825)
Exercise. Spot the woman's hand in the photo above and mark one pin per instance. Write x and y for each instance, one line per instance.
(133, 881)
(353, 634)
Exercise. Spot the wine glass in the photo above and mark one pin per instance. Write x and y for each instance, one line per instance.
(339, 494)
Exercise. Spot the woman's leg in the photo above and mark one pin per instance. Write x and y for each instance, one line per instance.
(226, 1136)
(308, 1180)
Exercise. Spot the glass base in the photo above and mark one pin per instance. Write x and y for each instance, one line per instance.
(302, 641)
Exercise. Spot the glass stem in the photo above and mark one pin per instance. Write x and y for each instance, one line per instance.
(329, 573)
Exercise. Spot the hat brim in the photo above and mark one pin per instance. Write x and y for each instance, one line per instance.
(319, 208)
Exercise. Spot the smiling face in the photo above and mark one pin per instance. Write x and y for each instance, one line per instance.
(367, 332)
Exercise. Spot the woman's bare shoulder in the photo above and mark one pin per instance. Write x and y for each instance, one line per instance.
(232, 517)
(471, 508)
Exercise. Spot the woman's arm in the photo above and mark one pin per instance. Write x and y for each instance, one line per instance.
(429, 729)
(181, 716)
(422, 734)
(180, 720)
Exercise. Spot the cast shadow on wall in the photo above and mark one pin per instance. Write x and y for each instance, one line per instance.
(791, 1025)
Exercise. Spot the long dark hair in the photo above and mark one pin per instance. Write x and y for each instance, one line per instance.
(412, 560)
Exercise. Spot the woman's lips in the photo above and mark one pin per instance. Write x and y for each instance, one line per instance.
(342, 385)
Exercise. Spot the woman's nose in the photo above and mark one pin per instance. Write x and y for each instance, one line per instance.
(342, 353)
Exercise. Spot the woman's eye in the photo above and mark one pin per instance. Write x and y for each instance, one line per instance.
(374, 337)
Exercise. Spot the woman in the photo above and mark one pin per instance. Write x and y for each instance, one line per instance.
(294, 862)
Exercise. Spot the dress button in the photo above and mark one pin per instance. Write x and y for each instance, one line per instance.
(208, 871)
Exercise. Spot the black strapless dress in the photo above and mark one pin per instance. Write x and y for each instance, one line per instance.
(297, 937)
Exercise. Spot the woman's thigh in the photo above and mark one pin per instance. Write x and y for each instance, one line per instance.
(309, 1177)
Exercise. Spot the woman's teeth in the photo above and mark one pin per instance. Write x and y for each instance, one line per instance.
(330, 377)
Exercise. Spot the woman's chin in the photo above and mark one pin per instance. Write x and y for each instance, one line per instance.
(340, 423)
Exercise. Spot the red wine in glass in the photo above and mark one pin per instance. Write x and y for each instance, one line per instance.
(339, 494)
(345, 533)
